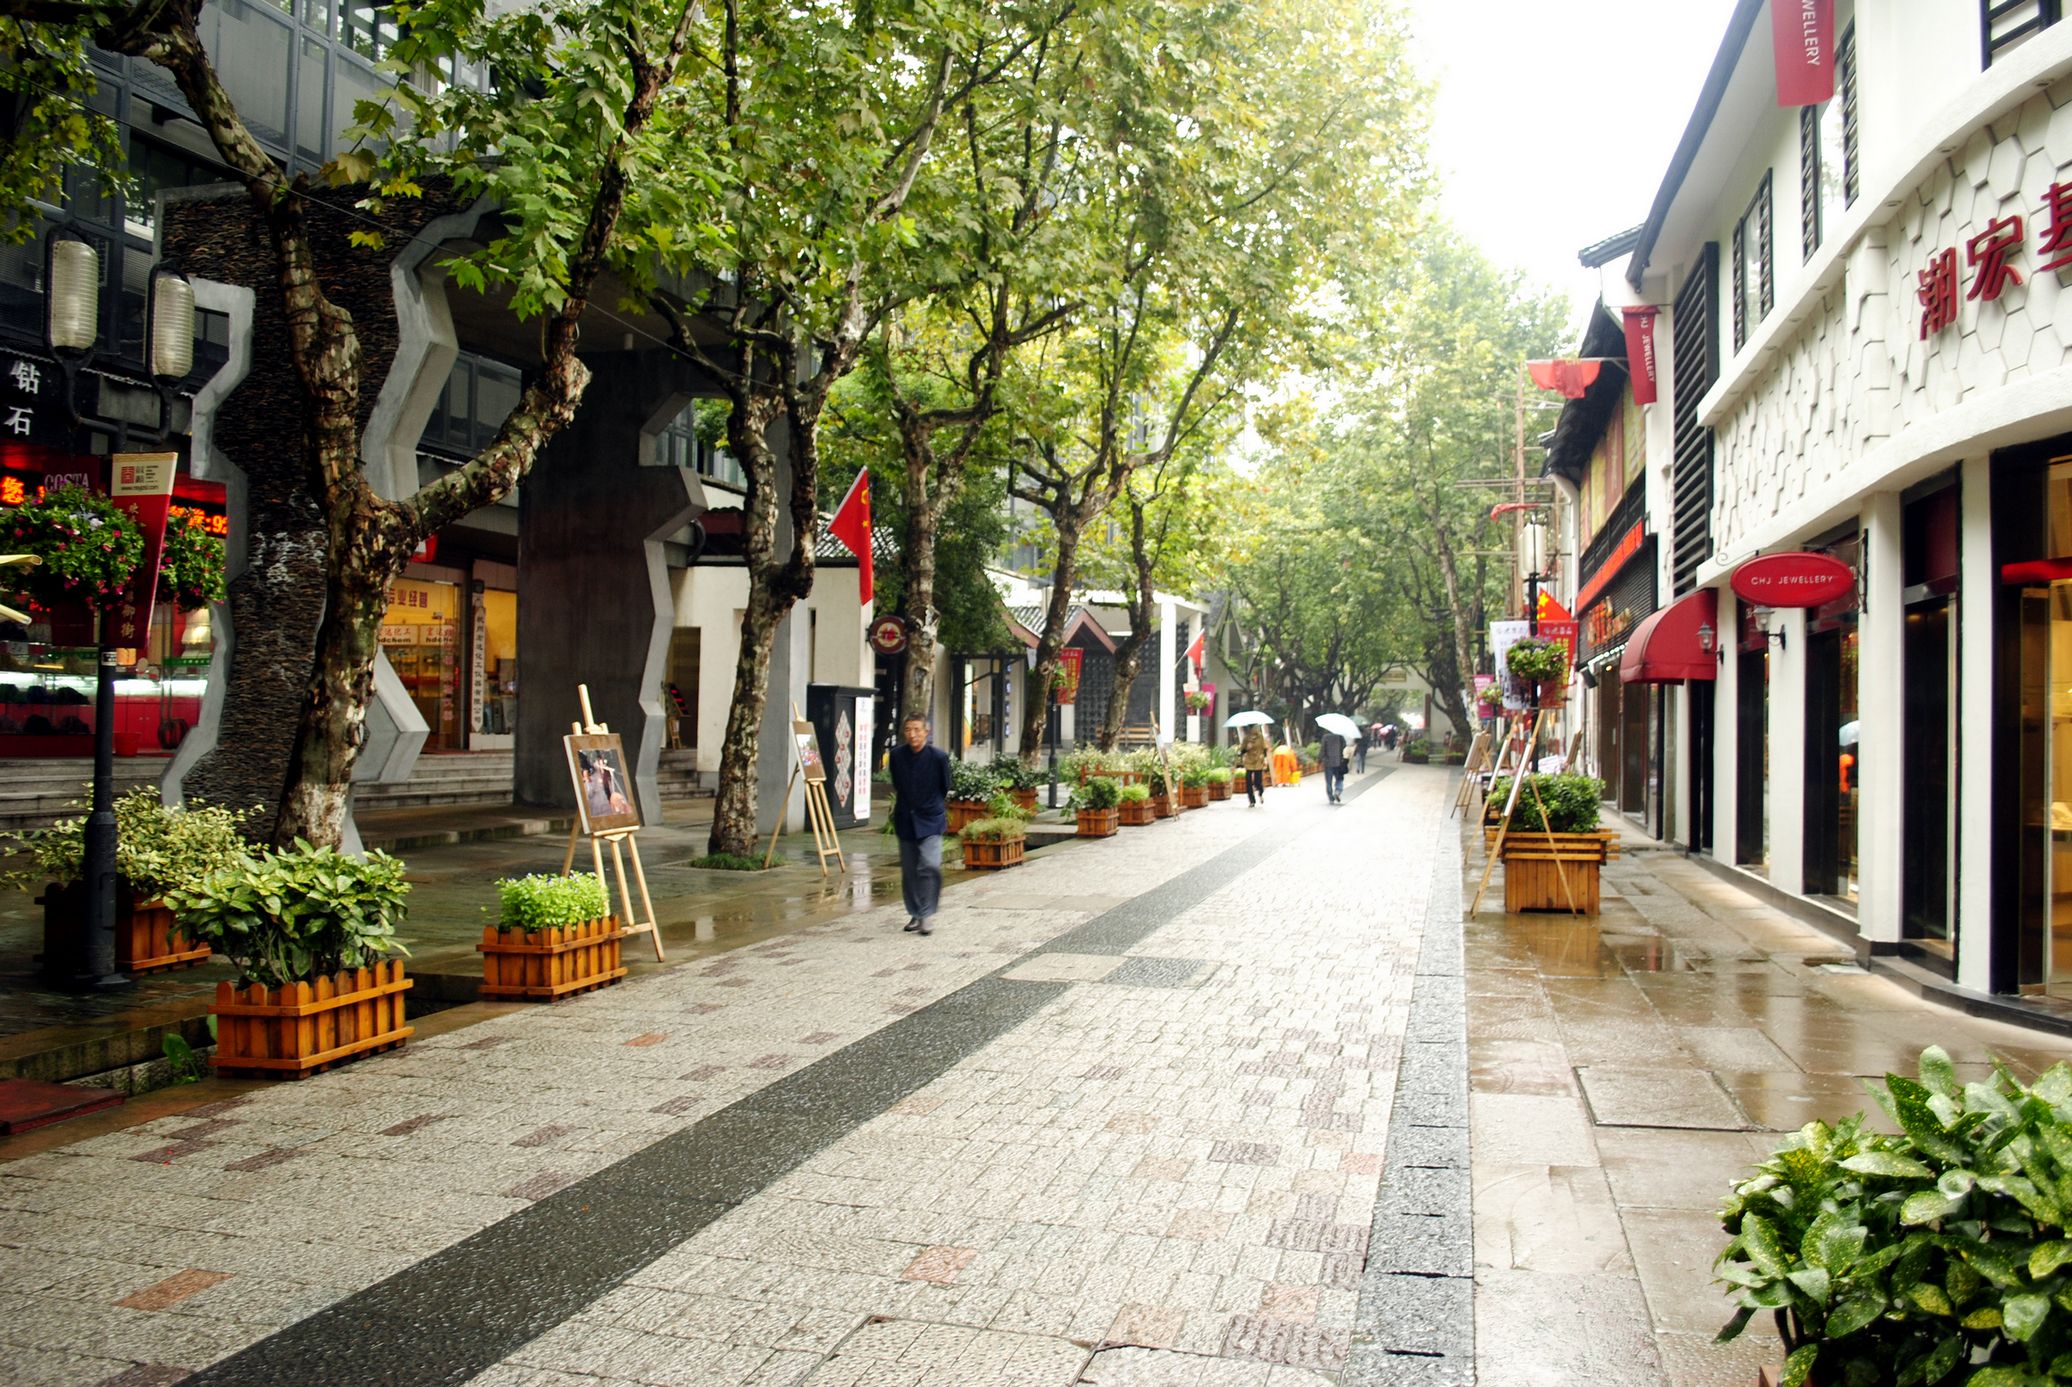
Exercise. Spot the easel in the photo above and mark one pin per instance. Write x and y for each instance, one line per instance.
(1471, 772)
(628, 923)
(1519, 780)
(826, 842)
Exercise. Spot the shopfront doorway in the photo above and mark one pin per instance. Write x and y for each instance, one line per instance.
(1833, 740)
(1928, 748)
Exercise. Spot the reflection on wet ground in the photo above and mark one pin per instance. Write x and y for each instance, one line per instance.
(1623, 1071)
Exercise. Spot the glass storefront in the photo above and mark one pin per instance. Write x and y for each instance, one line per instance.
(2044, 848)
(420, 634)
(1833, 743)
(1928, 655)
(1752, 742)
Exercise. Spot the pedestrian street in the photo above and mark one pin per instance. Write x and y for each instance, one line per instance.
(1123, 1118)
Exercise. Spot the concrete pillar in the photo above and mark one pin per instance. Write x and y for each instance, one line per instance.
(1726, 734)
(1787, 798)
(594, 605)
(1976, 584)
(1881, 703)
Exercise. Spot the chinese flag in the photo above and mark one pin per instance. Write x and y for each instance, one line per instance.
(852, 526)
(1550, 610)
(1196, 648)
(1571, 378)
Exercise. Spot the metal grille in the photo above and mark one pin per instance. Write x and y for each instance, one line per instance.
(1845, 65)
(2005, 23)
(1694, 343)
(1809, 180)
(1766, 257)
(1740, 281)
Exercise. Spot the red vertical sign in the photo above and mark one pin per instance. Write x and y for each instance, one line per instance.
(1640, 352)
(1802, 37)
(142, 485)
(1069, 662)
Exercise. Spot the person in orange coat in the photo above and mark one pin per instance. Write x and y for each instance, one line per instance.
(1287, 770)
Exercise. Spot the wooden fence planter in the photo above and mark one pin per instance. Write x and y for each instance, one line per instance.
(1024, 800)
(1098, 823)
(551, 963)
(1194, 796)
(1532, 880)
(147, 937)
(1218, 790)
(965, 811)
(1164, 806)
(1136, 813)
(297, 1030)
(995, 856)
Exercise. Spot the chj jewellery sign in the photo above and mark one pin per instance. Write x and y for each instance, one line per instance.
(1799, 579)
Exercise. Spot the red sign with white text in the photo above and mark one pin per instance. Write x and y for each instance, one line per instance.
(1793, 580)
(1802, 35)
(1069, 662)
(1640, 352)
(142, 485)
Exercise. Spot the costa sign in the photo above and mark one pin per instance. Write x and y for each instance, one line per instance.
(1800, 579)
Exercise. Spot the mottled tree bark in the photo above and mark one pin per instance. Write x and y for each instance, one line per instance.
(1129, 656)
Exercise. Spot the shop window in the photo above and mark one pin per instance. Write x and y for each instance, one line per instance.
(420, 634)
(1833, 741)
(1929, 524)
(496, 710)
(1827, 151)
(253, 53)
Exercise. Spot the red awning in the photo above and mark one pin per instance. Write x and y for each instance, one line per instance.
(1676, 643)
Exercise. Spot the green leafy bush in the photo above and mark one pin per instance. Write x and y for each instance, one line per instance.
(1012, 773)
(89, 547)
(1313, 753)
(1097, 793)
(156, 848)
(736, 862)
(1216, 775)
(1085, 762)
(971, 781)
(1573, 802)
(190, 572)
(542, 901)
(1133, 794)
(1537, 659)
(1937, 1256)
(994, 830)
(296, 914)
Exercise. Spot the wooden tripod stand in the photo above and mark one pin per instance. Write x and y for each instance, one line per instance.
(819, 813)
(618, 838)
(1520, 779)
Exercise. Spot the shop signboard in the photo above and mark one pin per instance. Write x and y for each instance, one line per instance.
(1798, 579)
(888, 635)
(141, 484)
(1070, 662)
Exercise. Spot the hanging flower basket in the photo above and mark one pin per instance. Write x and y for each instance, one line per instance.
(89, 548)
(190, 573)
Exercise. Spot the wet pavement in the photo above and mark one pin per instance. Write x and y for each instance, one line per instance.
(1234, 1101)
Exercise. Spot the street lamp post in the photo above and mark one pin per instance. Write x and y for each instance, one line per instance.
(71, 329)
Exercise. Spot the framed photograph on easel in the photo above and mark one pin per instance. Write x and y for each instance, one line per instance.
(604, 792)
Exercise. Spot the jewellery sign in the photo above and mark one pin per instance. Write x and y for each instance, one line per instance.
(1793, 580)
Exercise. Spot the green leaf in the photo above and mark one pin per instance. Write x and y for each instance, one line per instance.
(1937, 1072)
(2046, 1258)
(1799, 1365)
(1759, 1240)
(1887, 1163)
(1926, 1206)
(2024, 1315)
(1930, 1297)
(1813, 1281)
(1853, 1314)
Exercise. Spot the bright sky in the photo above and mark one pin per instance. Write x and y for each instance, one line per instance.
(1556, 119)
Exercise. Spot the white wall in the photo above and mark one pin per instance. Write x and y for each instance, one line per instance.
(1881, 704)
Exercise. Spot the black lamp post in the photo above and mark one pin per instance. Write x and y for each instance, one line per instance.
(71, 328)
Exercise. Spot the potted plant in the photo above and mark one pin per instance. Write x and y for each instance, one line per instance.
(1199, 700)
(1194, 786)
(1489, 701)
(1937, 1255)
(308, 930)
(156, 849)
(554, 936)
(1158, 780)
(1553, 858)
(1133, 806)
(190, 571)
(971, 786)
(1217, 778)
(1540, 667)
(1094, 804)
(1019, 779)
(89, 547)
(1417, 751)
(993, 843)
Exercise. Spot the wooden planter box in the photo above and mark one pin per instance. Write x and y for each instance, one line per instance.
(963, 812)
(551, 963)
(1194, 796)
(1136, 815)
(147, 937)
(1416, 758)
(1218, 792)
(1164, 806)
(1098, 823)
(1119, 777)
(1533, 881)
(994, 857)
(297, 1030)
(1024, 799)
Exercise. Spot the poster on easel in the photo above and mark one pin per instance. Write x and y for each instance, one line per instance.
(604, 792)
(810, 764)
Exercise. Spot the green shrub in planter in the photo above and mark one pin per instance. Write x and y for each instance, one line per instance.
(1937, 1256)
(156, 848)
(1096, 793)
(1011, 773)
(1091, 760)
(541, 901)
(971, 781)
(994, 829)
(1313, 753)
(1573, 802)
(1216, 775)
(1133, 794)
(297, 914)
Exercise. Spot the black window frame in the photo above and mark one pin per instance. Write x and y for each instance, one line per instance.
(1759, 214)
(2040, 15)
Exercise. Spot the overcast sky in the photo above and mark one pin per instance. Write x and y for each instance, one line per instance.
(1556, 119)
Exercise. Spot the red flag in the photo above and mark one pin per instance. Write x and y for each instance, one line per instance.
(1802, 39)
(1571, 378)
(1196, 649)
(852, 526)
(1640, 352)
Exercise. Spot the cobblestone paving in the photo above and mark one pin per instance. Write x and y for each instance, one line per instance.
(1163, 1170)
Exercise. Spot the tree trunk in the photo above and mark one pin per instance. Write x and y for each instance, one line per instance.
(334, 720)
(1463, 660)
(917, 579)
(1036, 707)
(1129, 656)
(734, 824)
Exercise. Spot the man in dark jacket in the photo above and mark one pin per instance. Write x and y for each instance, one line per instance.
(1332, 751)
(920, 813)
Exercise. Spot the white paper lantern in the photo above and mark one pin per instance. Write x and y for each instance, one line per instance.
(74, 306)
(172, 326)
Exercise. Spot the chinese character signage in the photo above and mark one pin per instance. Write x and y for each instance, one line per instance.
(1989, 259)
(32, 409)
(142, 484)
(1069, 662)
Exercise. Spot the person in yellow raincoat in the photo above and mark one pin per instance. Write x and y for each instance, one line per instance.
(1287, 767)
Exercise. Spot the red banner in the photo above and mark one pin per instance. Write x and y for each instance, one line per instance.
(1069, 662)
(1802, 35)
(1640, 352)
(142, 485)
(1572, 378)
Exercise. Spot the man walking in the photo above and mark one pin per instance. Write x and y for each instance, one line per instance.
(1254, 755)
(920, 813)
(1332, 751)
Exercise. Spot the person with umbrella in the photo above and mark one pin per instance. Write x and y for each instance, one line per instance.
(1337, 729)
(1253, 754)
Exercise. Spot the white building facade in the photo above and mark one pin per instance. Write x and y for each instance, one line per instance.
(1866, 341)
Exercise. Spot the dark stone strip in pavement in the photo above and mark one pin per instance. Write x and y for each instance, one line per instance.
(1121, 929)
(460, 1311)
(1414, 1324)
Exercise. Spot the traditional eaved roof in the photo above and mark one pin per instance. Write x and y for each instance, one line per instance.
(1583, 421)
(1028, 623)
(1610, 248)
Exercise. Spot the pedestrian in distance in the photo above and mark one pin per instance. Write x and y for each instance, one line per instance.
(1331, 751)
(920, 815)
(1360, 753)
(1254, 754)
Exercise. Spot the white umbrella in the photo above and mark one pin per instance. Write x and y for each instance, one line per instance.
(1339, 723)
(1250, 718)
(1849, 732)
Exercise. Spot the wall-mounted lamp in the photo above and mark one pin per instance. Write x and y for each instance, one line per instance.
(1777, 636)
(1589, 677)
(1708, 642)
